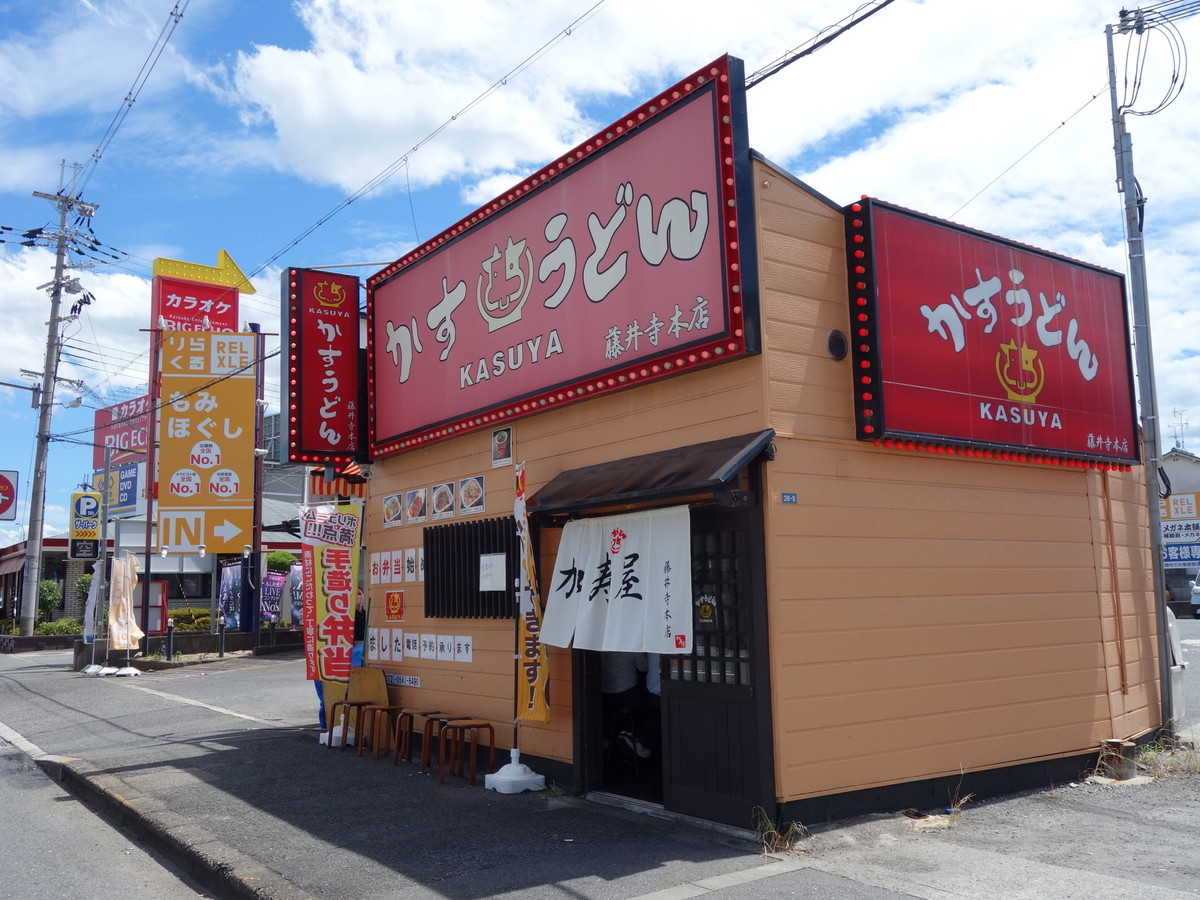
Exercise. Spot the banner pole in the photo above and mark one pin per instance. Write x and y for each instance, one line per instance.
(516, 776)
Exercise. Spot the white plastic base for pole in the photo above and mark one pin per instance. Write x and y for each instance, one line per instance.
(515, 777)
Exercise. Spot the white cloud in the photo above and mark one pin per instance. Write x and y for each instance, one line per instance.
(258, 119)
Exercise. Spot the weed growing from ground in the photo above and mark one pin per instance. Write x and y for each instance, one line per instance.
(1158, 759)
(777, 838)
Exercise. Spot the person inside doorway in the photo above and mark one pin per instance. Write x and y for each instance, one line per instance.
(625, 701)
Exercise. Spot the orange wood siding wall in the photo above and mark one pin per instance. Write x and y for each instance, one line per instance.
(713, 403)
(928, 614)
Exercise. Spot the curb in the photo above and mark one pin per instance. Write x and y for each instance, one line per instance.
(208, 861)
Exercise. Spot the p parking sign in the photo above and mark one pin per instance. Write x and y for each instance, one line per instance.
(84, 540)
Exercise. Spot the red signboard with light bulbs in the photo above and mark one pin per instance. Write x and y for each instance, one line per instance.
(626, 260)
(321, 366)
(984, 345)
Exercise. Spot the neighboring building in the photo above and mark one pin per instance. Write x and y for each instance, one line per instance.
(1180, 513)
(882, 589)
(183, 580)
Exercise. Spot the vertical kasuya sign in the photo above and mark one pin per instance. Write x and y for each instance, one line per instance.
(627, 260)
(966, 338)
(322, 366)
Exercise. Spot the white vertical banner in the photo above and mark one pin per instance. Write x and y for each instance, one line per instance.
(93, 598)
(623, 583)
(123, 632)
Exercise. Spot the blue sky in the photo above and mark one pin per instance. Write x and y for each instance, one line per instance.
(258, 119)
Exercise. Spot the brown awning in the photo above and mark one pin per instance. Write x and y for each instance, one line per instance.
(13, 564)
(695, 469)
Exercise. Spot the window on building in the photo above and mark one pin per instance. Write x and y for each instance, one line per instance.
(470, 568)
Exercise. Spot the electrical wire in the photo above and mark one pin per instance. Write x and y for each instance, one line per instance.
(817, 41)
(1022, 157)
(1141, 25)
(154, 407)
(139, 82)
(402, 161)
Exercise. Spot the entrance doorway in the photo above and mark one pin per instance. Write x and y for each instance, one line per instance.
(701, 746)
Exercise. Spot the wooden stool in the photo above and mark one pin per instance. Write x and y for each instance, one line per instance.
(345, 707)
(412, 730)
(374, 713)
(435, 724)
(462, 735)
(402, 738)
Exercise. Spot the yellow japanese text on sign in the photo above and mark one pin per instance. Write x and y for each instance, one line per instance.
(206, 439)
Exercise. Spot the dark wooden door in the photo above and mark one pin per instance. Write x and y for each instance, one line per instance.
(715, 702)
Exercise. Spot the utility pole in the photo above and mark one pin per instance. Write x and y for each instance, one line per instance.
(1136, 21)
(66, 204)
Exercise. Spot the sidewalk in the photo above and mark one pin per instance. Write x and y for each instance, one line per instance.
(256, 808)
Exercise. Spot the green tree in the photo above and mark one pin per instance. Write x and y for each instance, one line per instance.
(49, 596)
(82, 585)
(280, 561)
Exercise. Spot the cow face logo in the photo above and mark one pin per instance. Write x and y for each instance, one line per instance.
(329, 293)
(1021, 373)
(504, 284)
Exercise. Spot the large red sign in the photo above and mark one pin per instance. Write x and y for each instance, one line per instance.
(179, 305)
(322, 366)
(621, 262)
(123, 427)
(967, 338)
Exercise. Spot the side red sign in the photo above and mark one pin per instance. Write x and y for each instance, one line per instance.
(963, 337)
(123, 427)
(8, 496)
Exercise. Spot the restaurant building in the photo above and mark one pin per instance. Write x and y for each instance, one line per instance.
(864, 485)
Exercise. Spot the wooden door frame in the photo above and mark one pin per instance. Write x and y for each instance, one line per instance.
(588, 766)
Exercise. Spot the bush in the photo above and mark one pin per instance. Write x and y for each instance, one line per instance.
(191, 618)
(49, 597)
(280, 561)
(62, 626)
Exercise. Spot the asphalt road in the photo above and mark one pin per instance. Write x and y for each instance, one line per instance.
(223, 758)
(54, 846)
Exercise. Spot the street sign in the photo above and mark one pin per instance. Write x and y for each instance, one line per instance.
(122, 488)
(84, 539)
(8, 496)
(1180, 522)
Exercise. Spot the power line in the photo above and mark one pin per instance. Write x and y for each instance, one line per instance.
(1021, 158)
(139, 82)
(402, 161)
(819, 40)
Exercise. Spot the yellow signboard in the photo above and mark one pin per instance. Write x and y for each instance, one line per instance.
(1179, 506)
(206, 440)
(224, 274)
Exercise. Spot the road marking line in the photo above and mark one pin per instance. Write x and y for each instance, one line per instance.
(200, 703)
